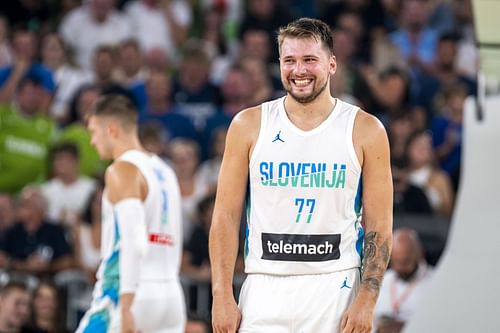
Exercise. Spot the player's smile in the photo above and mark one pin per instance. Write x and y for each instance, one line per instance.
(301, 83)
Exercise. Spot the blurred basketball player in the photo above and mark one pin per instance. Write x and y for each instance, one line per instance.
(137, 286)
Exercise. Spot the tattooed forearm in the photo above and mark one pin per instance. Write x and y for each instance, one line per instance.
(375, 259)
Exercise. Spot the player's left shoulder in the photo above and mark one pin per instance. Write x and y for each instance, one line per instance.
(368, 130)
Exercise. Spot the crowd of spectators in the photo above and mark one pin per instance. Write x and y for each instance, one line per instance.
(190, 66)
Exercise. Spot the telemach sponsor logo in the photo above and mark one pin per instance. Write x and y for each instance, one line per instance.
(299, 247)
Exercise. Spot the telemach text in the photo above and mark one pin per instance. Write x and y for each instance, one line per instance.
(299, 247)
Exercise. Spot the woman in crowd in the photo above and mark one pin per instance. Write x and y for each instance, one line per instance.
(47, 314)
(423, 173)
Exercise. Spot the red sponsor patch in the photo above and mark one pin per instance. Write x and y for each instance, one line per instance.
(164, 239)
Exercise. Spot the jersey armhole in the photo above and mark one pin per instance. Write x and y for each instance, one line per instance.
(349, 139)
(134, 159)
(263, 126)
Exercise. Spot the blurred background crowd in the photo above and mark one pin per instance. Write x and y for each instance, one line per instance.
(190, 66)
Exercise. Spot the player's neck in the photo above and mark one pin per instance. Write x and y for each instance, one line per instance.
(125, 145)
(310, 115)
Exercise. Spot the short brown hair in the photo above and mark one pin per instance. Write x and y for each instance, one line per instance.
(307, 28)
(116, 106)
(13, 285)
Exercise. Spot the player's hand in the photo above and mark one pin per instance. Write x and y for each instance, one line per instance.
(128, 323)
(226, 316)
(358, 318)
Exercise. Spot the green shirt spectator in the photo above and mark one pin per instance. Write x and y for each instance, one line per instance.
(90, 163)
(76, 131)
(25, 136)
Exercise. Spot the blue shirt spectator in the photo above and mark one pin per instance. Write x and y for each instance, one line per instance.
(36, 70)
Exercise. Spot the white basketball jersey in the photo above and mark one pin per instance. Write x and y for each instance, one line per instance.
(163, 223)
(305, 195)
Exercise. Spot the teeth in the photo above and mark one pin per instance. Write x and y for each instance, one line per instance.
(302, 82)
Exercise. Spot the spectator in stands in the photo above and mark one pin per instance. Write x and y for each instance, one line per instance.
(192, 93)
(399, 129)
(444, 73)
(230, 12)
(467, 62)
(33, 245)
(423, 173)
(5, 51)
(67, 191)
(404, 283)
(369, 14)
(46, 310)
(235, 91)
(105, 66)
(159, 108)
(185, 157)
(221, 47)
(24, 54)
(87, 235)
(208, 171)
(154, 138)
(386, 55)
(415, 39)
(7, 212)
(131, 71)
(342, 83)
(352, 23)
(384, 94)
(261, 84)
(195, 260)
(266, 15)
(408, 198)
(447, 131)
(445, 69)
(196, 324)
(255, 43)
(15, 301)
(157, 59)
(236, 96)
(68, 78)
(169, 20)
(90, 163)
(94, 23)
(26, 135)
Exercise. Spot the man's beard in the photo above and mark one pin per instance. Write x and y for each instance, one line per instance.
(309, 98)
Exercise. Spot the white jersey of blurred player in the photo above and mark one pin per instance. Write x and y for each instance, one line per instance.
(159, 302)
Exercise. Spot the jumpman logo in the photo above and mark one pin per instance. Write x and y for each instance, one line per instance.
(344, 284)
(278, 138)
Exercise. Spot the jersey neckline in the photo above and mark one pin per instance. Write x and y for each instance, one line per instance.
(317, 129)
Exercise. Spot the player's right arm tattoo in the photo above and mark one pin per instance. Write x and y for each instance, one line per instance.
(375, 259)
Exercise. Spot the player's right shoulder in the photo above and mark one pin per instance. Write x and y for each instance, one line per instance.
(246, 123)
(249, 116)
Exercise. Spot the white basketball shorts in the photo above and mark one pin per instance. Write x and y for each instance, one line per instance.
(158, 308)
(296, 303)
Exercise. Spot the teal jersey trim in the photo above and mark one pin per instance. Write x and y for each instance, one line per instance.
(111, 276)
(248, 205)
(358, 200)
(98, 322)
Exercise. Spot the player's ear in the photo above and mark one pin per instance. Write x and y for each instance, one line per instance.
(332, 64)
(112, 129)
